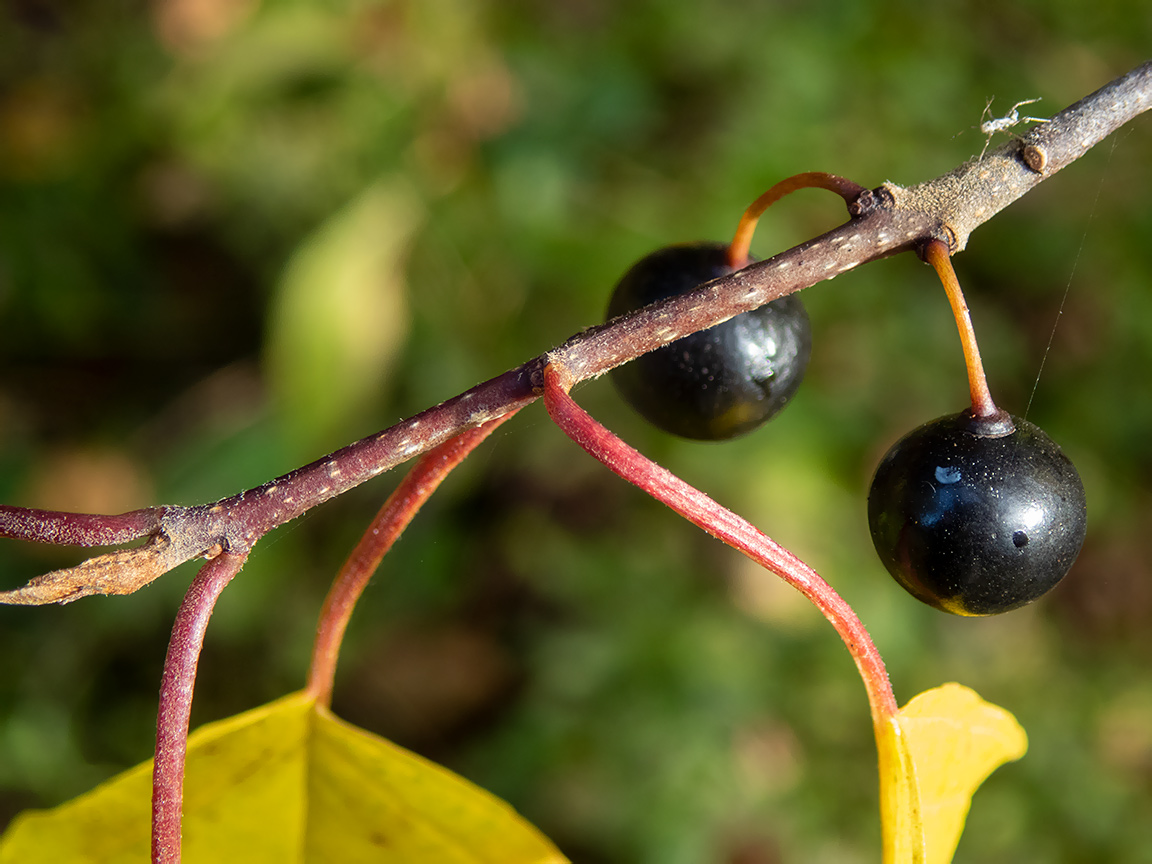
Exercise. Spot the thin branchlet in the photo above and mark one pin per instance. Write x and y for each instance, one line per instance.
(881, 222)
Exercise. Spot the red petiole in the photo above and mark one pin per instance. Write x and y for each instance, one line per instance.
(397, 512)
(181, 663)
(176, 685)
(725, 525)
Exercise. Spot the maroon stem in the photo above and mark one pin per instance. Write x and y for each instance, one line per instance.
(176, 687)
(725, 525)
(401, 506)
(77, 529)
(884, 221)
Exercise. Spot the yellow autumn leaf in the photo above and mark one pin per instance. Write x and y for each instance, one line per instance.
(288, 782)
(901, 825)
(933, 755)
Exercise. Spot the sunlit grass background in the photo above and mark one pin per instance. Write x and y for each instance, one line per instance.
(237, 235)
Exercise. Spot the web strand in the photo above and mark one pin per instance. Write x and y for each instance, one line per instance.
(1068, 284)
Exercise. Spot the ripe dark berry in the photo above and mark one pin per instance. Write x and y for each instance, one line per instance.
(720, 382)
(977, 516)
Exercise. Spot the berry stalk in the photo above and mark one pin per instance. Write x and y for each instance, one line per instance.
(936, 254)
(742, 242)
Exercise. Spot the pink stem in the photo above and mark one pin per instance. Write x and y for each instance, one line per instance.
(725, 525)
(176, 687)
(401, 506)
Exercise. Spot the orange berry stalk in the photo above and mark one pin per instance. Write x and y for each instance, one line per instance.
(738, 251)
(936, 254)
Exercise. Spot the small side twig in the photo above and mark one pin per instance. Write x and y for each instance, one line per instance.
(77, 529)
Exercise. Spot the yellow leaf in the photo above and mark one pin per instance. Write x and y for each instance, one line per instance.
(288, 782)
(941, 746)
(900, 821)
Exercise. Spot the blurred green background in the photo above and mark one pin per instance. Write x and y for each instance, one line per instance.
(235, 235)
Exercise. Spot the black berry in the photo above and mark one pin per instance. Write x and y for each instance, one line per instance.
(721, 382)
(977, 516)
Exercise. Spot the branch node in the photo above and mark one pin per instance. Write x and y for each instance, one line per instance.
(949, 238)
(864, 204)
(536, 377)
(1035, 157)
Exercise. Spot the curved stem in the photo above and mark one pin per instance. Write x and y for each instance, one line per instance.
(741, 535)
(742, 242)
(399, 510)
(725, 525)
(176, 687)
(936, 254)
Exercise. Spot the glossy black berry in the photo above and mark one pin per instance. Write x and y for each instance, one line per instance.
(977, 516)
(720, 382)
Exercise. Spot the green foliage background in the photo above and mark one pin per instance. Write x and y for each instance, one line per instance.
(545, 630)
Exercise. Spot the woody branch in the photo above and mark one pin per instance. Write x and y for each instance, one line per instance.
(882, 222)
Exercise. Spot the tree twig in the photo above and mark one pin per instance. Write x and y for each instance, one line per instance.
(882, 222)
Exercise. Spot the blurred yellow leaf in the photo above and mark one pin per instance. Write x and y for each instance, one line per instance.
(900, 820)
(288, 782)
(933, 755)
(340, 313)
